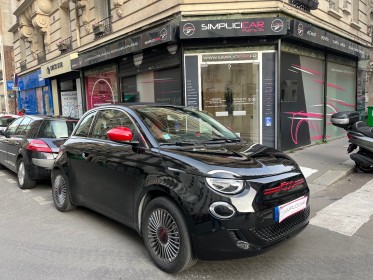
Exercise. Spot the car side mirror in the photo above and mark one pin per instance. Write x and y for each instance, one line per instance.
(120, 134)
(2, 132)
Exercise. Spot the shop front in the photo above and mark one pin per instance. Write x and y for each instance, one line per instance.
(274, 80)
(320, 75)
(234, 79)
(35, 95)
(65, 85)
(144, 67)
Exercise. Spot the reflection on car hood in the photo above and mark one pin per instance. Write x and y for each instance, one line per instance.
(242, 158)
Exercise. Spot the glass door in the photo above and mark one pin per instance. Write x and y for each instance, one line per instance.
(230, 92)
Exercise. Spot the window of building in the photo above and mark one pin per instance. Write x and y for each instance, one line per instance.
(355, 14)
(161, 86)
(101, 86)
(65, 23)
(334, 5)
(103, 7)
(334, 9)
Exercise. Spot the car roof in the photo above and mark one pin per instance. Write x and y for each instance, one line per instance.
(139, 105)
(43, 117)
(8, 116)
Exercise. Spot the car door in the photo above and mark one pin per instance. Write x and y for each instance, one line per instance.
(8, 144)
(111, 171)
(73, 150)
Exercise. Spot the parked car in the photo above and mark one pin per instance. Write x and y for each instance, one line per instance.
(29, 145)
(190, 186)
(6, 119)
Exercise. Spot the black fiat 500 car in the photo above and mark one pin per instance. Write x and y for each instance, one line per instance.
(185, 182)
(29, 145)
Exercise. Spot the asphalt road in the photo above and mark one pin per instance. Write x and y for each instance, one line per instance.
(38, 242)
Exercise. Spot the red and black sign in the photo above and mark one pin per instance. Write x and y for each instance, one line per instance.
(233, 28)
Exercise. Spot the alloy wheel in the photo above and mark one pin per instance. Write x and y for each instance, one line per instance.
(59, 190)
(21, 173)
(163, 235)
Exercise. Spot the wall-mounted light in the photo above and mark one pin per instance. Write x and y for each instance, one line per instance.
(137, 59)
(172, 49)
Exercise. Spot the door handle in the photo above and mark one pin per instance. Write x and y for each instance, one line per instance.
(85, 155)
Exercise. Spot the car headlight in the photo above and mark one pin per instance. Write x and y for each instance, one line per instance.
(225, 185)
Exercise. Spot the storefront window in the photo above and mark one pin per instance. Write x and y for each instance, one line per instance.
(69, 99)
(101, 86)
(302, 99)
(162, 86)
(230, 92)
(341, 94)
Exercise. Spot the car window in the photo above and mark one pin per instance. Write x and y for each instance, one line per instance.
(84, 126)
(57, 128)
(13, 127)
(5, 121)
(23, 127)
(110, 118)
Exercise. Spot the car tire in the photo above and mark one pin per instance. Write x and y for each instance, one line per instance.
(166, 236)
(61, 192)
(23, 179)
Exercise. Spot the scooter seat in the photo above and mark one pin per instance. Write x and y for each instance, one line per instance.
(363, 128)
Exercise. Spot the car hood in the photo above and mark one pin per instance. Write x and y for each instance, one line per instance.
(244, 159)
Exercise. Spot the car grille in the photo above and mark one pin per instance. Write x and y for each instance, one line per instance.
(277, 231)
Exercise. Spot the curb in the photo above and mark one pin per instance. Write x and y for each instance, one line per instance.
(329, 178)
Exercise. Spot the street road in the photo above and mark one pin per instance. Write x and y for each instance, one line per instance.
(38, 242)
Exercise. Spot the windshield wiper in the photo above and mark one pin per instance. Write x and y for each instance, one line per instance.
(222, 140)
(178, 143)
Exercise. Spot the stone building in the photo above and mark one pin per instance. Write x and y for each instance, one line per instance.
(7, 95)
(273, 71)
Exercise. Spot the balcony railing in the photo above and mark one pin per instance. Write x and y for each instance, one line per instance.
(23, 65)
(102, 28)
(65, 45)
(305, 5)
(41, 57)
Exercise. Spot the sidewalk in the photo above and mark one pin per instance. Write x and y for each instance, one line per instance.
(324, 164)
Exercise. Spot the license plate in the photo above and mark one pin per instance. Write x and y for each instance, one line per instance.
(286, 210)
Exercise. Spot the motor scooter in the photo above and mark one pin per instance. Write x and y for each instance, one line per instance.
(360, 136)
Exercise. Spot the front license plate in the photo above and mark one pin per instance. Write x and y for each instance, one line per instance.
(286, 210)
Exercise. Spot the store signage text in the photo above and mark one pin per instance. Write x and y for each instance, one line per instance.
(54, 67)
(244, 26)
(307, 32)
(229, 57)
(233, 28)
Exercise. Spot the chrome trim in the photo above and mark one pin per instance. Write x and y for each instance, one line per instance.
(175, 170)
(45, 163)
(243, 201)
(224, 204)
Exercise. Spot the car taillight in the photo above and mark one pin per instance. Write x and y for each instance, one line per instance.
(349, 136)
(39, 146)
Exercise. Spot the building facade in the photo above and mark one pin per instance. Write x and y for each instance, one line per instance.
(7, 70)
(272, 71)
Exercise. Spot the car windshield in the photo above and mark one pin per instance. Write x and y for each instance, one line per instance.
(57, 128)
(176, 125)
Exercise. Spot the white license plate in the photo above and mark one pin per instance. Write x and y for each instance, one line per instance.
(286, 210)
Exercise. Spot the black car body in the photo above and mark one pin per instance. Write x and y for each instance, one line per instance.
(194, 191)
(29, 145)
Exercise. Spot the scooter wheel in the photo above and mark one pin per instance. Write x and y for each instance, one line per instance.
(365, 169)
